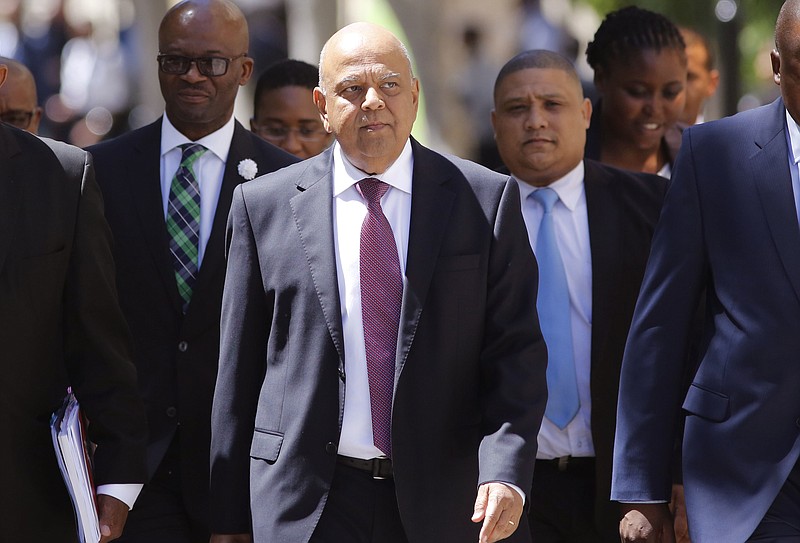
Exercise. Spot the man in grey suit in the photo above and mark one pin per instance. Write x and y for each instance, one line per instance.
(381, 374)
(170, 254)
(60, 326)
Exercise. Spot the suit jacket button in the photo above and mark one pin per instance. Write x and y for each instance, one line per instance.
(183, 346)
(331, 448)
(172, 412)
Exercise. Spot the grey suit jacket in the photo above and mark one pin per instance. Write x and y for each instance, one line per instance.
(470, 387)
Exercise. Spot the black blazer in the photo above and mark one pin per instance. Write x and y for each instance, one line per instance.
(470, 385)
(60, 325)
(176, 355)
(623, 208)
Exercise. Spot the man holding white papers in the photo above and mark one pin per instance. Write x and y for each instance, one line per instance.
(60, 325)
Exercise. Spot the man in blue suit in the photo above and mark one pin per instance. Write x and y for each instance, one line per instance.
(729, 231)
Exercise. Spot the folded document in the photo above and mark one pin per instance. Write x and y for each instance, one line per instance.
(73, 451)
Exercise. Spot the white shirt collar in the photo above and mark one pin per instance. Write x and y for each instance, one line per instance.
(218, 142)
(569, 188)
(398, 175)
(794, 138)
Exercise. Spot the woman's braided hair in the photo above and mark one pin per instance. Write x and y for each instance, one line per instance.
(629, 30)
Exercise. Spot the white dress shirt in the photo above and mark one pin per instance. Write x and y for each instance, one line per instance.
(349, 211)
(208, 170)
(793, 141)
(572, 235)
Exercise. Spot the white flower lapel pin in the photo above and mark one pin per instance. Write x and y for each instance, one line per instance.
(248, 169)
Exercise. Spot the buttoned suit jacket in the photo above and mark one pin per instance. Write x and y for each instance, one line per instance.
(175, 354)
(622, 210)
(60, 325)
(470, 387)
(729, 225)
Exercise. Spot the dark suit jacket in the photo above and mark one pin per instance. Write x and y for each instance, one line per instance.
(470, 387)
(729, 225)
(176, 355)
(623, 209)
(60, 325)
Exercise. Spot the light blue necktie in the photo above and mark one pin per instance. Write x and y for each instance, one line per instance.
(554, 310)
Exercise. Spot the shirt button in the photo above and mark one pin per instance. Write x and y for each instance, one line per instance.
(331, 448)
(172, 412)
(183, 346)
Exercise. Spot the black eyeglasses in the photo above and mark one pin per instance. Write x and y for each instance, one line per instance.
(208, 66)
(281, 132)
(17, 117)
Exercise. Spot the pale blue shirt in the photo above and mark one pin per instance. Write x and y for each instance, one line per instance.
(572, 235)
(209, 170)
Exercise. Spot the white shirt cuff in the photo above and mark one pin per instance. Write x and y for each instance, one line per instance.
(519, 491)
(126, 493)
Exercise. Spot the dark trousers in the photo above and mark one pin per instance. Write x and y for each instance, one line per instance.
(159, 515)
(781, 524)
(562, 503)
(359, 509)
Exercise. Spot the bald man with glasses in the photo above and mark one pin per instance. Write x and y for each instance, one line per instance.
(167, 190)
(18, 101)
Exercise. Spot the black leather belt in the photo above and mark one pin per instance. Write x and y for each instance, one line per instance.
(379, 468)
(566, 463)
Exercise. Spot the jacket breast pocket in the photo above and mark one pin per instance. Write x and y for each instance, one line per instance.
(707, 404)
(266, 445)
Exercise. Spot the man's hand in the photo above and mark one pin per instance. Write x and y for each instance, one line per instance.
(678, 508)
(231, 538)
(646, 522)
(112, 514)
(499, 507)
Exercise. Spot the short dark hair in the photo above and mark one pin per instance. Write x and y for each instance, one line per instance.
(286, 73)
(628, 31)
(537, 58)
(692, 37)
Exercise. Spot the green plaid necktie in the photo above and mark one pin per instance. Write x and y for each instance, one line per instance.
(183, 221)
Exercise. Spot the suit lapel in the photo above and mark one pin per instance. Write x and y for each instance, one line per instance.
(145, 185)
(605, 241)
(313, 215)
(8, 193)
(214, 256)
(431, 203)
(774, 183)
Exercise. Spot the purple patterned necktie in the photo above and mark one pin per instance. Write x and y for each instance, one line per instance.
(381, 297)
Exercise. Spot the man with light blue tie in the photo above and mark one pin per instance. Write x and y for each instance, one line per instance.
(590, 227)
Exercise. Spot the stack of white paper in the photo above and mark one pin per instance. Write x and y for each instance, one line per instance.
(72, 451)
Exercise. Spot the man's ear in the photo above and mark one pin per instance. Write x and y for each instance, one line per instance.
(3, 73)
(775, 59)
(322, 106)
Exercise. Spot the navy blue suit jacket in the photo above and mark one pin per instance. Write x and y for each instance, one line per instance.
(729, 226)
